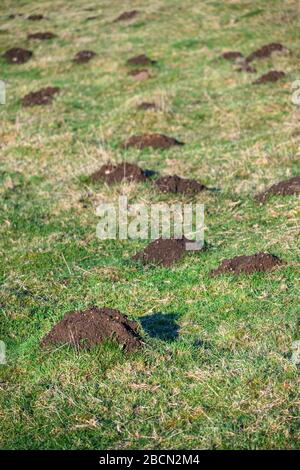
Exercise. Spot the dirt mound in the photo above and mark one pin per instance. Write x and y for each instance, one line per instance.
(139, 74)
(175, 184)
(17, 55)
(156, 141)
(162, 252)
(42, 36)
(265, 51)
(40, 97)
(272, 76)
(232, 55)
(84, 329)
(84, 56)
(260, 262)
(283, 188)
(111, 174)
(36, 17)
(146, 105)
(127, 15)
(141, 59)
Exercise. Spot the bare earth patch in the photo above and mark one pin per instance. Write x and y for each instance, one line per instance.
(36, 17)
(156, 141)
(265, 51)
(127, 15)
(176, 184)
(84, 329)
(17, 55)
(259, 262)
(141, 59)
(41, 97)
(146, 105)
(272, 76)
(283, 188)
(42, 36)
(140, 74)
(163, 252)
(112, 174)
(83, 57)
(232, 55)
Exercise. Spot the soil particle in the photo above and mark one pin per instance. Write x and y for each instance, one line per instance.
(84, 56)
(127, 15)
(84, 329)
(272, 76)
(40, 97)
(156, 141)
(265, 51)
(283, 188)
(175, 184)
(141, 59)
(112, 174)
(232, 55)
(140, 74)
(259, 262)
(35, 17)
(146, 105)
(17, 55)
(42, 36)
(164, 252)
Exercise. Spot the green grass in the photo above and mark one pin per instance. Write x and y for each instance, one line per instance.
(216, 370)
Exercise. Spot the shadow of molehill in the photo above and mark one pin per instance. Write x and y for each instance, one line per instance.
(161, 325)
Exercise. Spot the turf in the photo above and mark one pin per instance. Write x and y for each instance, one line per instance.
(216, 371)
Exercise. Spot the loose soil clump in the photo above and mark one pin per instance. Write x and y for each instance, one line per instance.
(41, 97)
(265, 51)
(146, 105)
(259, 262)
(141, 59)
(112, 174)
(36, 17)
(84, 329)
(139, 74)
(127, 15)
(17, 55)
(43, 36)
(83, 57)
(164, 252)
(232, 55)
(272, 76)
(283, 188)
(176, 184)
(156, 141)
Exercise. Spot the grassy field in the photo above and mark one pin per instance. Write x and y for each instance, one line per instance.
(216, 371)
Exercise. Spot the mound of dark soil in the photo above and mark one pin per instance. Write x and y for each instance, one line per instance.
(36, 17)
(232, 55)
(260, 262)
(146, 105)
(265, 51)
(175, 184)
(272, 76)
(127, 15)
(17, 55)
(163, 252)
(112, 174)
(156, 141)
(141, 59)
(140, 74)
(42, 35)
(283, 188)
(84, 329)
(84, 56)
(40, 97)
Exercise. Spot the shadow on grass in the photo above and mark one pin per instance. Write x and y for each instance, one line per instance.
(161, 325)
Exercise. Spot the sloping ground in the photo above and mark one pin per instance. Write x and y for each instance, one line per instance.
(216, 368)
